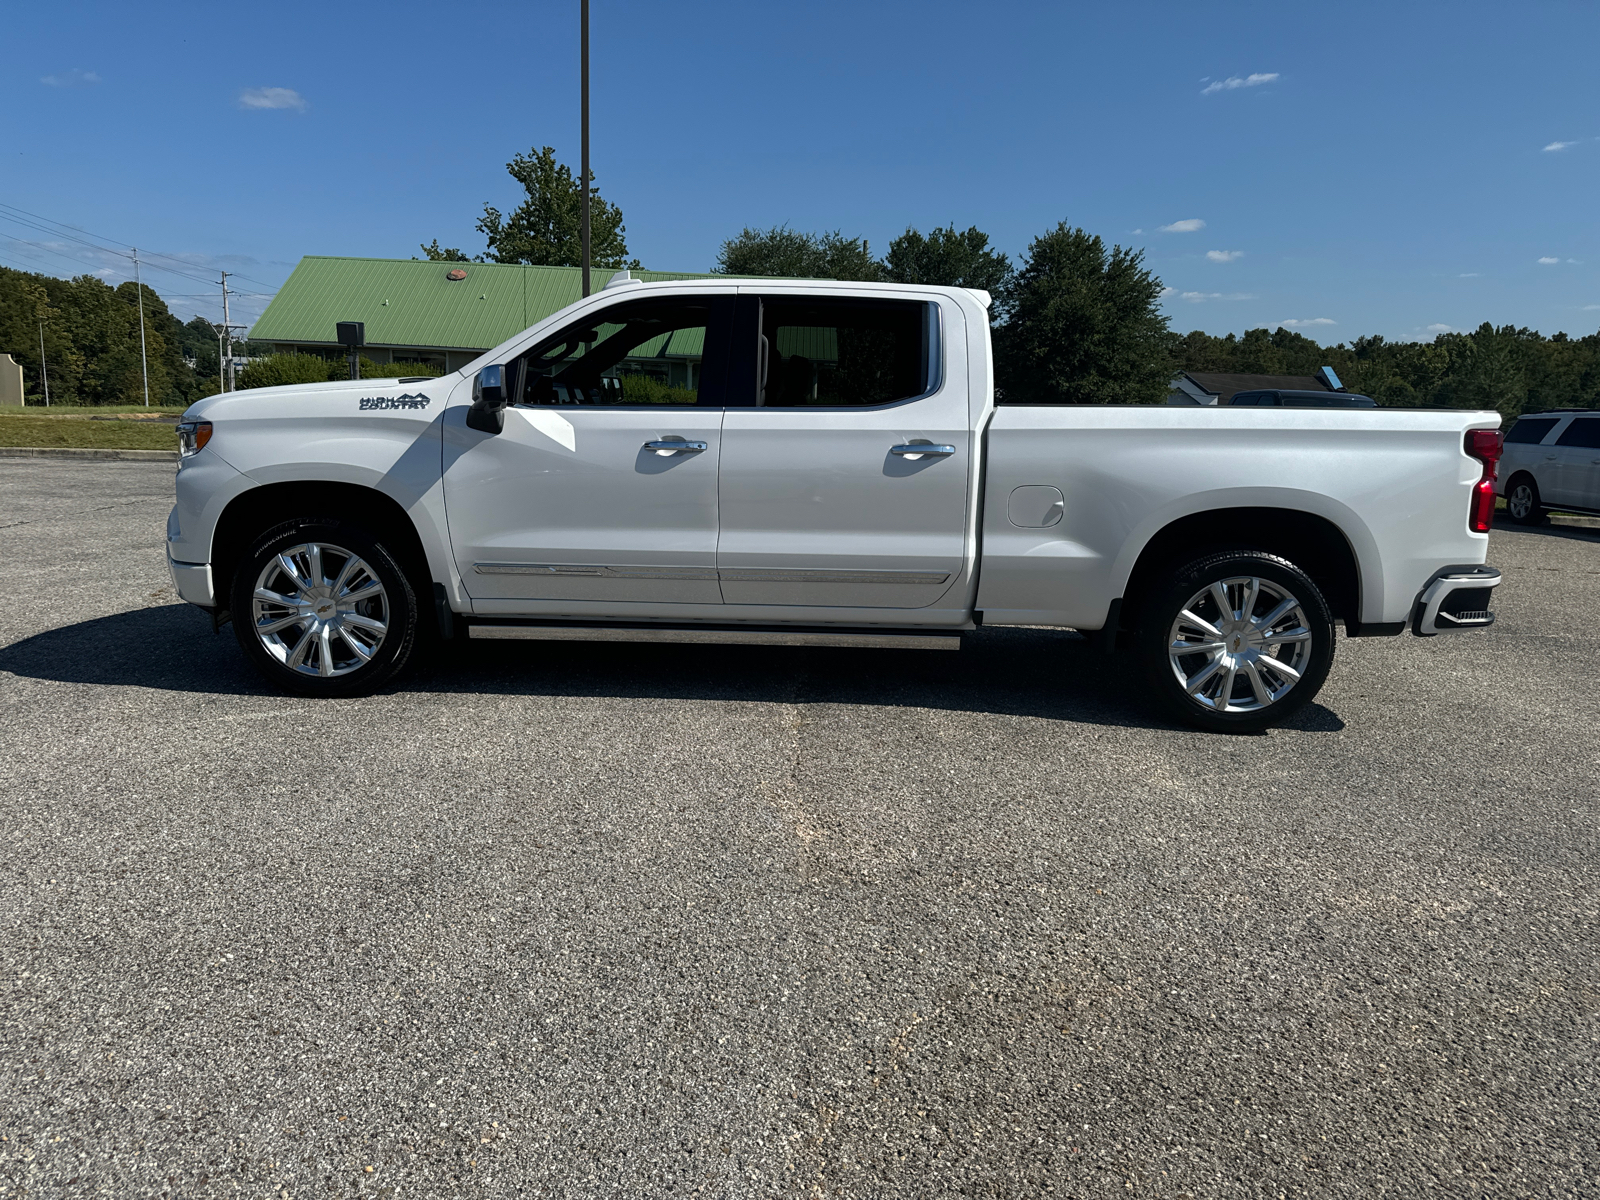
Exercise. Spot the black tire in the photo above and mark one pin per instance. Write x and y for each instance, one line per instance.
(1254, 658)
(1522, 496)
(341, 626)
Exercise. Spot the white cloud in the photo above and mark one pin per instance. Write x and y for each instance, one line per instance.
(272, 97)
(1560, 145)
(1437, 328)
(1138, 231)
(1224, 255)
(1201, 297)
(72, 78)
(1547, 261)
(1591, 307)
(1310, 321)
(1467, 275)
(1187, 225)
(1168, 291)
(1233, 81)
(1574, 260)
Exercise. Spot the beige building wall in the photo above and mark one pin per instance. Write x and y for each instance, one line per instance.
(10, 380)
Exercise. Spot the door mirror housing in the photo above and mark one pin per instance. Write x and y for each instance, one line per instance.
(489, 399)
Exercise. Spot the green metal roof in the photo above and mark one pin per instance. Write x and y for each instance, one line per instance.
(411, 303)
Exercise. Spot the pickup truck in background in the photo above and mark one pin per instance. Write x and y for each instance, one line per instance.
(800, 462)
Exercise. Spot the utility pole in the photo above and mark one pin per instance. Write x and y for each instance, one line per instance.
(227, 332)
(225, 373)
(144, 364)
(44, 370)
(584, 38)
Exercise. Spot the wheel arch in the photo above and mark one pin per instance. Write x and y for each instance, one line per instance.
(1312, 542)
(250, 514)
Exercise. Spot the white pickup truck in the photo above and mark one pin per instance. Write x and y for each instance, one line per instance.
(787, 462)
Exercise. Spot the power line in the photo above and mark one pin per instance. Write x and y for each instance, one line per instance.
(80, 262)
(103, 237)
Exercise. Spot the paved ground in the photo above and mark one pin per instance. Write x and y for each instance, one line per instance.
(567, 920)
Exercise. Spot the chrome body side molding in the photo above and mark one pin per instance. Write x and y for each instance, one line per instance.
(717, 636)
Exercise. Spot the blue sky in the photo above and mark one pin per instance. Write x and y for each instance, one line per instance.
(1389, 168)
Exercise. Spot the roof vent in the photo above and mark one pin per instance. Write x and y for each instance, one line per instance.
(1329, 380)
(456, 275)
(622, 279)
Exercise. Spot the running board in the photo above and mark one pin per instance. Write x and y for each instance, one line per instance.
(723, 636)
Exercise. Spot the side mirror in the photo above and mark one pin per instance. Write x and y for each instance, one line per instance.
(489, 399)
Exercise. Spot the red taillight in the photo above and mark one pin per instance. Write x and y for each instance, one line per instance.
(1483, 445)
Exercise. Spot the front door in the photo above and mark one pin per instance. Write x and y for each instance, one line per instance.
(603, 484)
(827, 496)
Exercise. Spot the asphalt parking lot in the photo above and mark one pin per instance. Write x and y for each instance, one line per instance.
(568, 920)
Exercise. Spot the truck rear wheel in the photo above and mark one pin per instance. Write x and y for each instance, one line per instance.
(322, 609)
(1236, 641)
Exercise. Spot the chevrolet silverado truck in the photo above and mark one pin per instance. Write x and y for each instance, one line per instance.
(779, 462)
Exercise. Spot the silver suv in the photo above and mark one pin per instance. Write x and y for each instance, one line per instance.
(1551, 460)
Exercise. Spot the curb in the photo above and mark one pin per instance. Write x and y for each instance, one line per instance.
(1574, 521)
(72, 452)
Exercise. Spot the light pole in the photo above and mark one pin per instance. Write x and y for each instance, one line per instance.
(44, 370)
(144, 364)
(584, 169)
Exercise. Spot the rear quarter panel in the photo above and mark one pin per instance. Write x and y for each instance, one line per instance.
(1396, 483)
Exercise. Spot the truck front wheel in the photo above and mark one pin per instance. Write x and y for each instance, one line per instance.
(1236, 641)
(321, 608)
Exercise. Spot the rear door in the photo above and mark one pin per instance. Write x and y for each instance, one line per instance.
(1565, 460)
(1579, 446)
(846, 485)
(603, 484)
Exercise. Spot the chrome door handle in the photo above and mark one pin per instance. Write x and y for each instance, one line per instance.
(675, 446)
(918, 449)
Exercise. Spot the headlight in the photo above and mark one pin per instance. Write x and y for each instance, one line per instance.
(192, 437)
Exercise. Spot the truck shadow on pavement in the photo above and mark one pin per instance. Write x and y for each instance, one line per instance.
(1042, 673)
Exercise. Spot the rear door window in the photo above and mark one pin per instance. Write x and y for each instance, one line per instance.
(826, 353)
(1530, 430)
(1583, 432)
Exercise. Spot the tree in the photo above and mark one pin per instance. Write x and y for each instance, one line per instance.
(1082, 326)
(91, 334)
(947, 258)
(439, 253)
(546, 228)
(781, 251)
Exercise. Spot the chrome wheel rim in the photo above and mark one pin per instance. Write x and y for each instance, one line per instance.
(319, 609)
(1240, 644)
(1520, 502)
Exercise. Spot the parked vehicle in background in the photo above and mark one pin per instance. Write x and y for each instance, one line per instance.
(1302, 399)
(787, 462)
(1552, 460)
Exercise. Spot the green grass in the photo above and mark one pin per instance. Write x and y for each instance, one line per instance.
(73, 427)
(89, 410)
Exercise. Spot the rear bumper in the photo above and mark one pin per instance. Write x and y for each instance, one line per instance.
(1455, 599)
(193, 581)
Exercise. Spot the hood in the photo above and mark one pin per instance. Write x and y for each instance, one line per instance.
(320, 399)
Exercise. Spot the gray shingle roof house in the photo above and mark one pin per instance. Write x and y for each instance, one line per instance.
(1204, 387)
